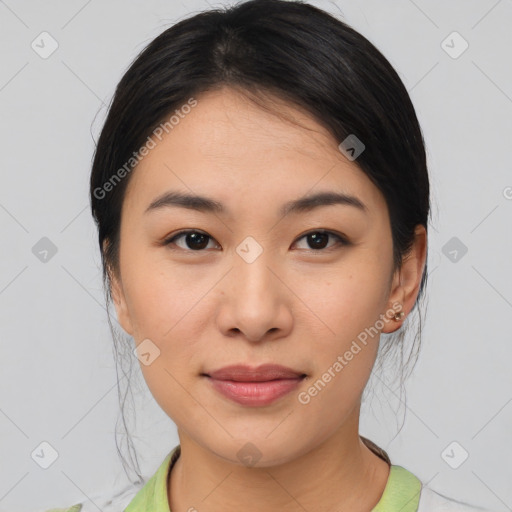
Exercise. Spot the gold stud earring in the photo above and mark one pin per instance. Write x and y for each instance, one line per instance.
(398, 316)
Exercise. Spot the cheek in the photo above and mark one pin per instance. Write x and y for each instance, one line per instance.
(345, 300)
(162, 297)
(346, 304)
(168, 306)
(343, 352)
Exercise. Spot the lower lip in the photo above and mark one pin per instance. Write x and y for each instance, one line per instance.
(255, 393)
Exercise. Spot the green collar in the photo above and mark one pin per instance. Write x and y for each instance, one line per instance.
(402, 491)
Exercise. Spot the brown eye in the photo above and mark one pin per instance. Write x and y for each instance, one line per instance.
(197, 241)
(319, 239)
(194, 240)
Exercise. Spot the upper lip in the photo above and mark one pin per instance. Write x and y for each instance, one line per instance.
(264, 372)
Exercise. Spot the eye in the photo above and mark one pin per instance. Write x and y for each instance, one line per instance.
(197, 240)
(319, 238)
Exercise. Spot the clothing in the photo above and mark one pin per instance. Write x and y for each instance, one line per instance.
(404, 492)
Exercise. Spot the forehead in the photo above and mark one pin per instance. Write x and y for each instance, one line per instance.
(229, 148)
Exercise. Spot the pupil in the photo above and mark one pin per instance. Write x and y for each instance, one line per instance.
(316, 237)
(193, 237)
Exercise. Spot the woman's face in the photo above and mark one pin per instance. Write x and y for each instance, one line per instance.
(249, 286)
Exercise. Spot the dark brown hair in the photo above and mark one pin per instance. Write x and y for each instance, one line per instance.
(270, 48)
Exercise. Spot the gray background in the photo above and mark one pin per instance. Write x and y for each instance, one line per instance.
(58, 379)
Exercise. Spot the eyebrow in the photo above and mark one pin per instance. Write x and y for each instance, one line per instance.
(303, 204)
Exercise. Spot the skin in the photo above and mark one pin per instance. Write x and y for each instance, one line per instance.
(294, 305)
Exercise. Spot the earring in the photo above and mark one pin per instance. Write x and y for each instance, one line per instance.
(398, 316)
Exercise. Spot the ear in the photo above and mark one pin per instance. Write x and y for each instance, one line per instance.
(407, 279)
(118, 297)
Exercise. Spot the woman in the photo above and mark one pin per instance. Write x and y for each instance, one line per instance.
(237, 141)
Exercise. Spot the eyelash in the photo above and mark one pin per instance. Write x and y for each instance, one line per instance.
(341, 240)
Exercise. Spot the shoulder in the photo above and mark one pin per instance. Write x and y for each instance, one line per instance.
(113, 502)
(432, 501)
(132, 495)
(73, 508)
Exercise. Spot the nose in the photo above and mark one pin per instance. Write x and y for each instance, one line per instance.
(255, 302)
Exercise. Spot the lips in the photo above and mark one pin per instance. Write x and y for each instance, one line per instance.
(255, 387)
(262, 373)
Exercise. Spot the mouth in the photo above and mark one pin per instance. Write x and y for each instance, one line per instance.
(254, 387)
(262, 373)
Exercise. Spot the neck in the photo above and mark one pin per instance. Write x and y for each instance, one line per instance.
(339, 474)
